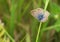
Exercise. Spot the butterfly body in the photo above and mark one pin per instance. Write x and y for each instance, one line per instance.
(40, 16)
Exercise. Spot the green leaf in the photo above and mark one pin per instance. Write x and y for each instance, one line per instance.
(12, 19)
(34, 28)
(55, 9)
(19, 8)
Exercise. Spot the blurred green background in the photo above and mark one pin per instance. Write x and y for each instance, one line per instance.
(21, 26)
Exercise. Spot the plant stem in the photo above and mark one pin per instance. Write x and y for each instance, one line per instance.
(38, 32)
(46, 4)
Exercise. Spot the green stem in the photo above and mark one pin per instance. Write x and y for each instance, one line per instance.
(38, 32)
(46, 4)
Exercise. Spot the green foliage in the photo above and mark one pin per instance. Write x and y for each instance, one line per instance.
(20, 26)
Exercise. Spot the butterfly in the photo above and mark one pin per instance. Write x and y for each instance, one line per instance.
(40, 14)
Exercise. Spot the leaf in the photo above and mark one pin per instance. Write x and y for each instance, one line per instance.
(4, 6)
(12, 19)
(19, 8)
(34, 28)
(55, 9)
